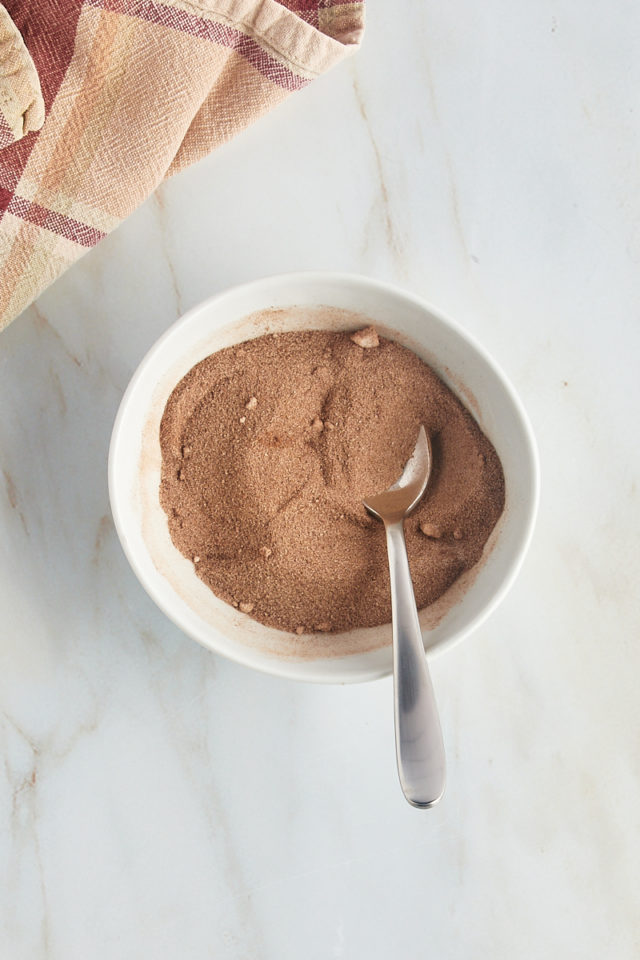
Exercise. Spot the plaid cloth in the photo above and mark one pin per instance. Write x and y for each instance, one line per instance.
(102, 99)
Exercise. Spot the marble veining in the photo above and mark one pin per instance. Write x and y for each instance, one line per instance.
(393, 241)
(158, 199)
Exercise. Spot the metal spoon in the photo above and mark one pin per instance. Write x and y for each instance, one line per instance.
(419, 746)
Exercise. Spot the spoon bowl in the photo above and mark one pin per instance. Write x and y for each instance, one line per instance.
(405, 494)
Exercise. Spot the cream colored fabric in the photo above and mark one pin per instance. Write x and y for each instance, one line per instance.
(134, 91)
(21, 103)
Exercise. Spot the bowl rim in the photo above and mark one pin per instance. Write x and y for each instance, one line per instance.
(288, 668)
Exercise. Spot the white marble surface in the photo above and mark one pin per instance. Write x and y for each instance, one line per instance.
(157, 801)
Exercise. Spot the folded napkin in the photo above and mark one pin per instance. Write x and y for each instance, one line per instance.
(102, 99)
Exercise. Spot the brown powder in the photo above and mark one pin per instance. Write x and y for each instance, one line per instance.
(270, 446)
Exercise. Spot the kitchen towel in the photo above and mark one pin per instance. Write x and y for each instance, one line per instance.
(100, 100)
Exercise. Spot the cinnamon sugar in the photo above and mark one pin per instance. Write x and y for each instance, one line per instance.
(268, 449)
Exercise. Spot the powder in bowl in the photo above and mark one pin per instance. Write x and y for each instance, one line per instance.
(270, 446)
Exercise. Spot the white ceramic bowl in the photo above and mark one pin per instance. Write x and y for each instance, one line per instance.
(134, 471)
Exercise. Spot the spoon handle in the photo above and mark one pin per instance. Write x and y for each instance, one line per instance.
(419, 745)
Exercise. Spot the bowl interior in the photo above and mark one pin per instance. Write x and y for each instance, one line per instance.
(292, 303)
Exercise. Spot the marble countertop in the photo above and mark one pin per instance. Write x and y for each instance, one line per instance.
(158, 801)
